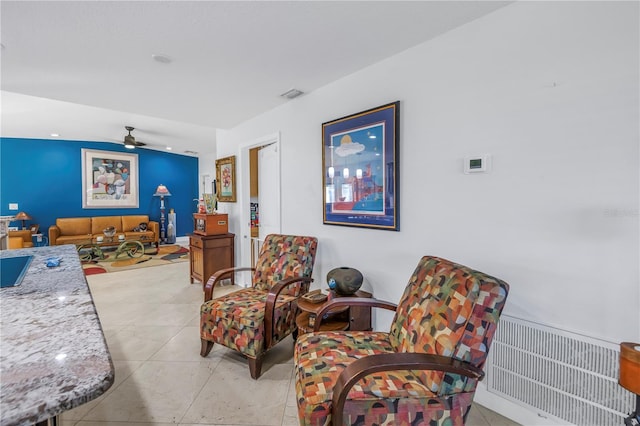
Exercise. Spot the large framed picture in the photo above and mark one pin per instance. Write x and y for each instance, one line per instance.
(360, 169)
(109, 179)
(226, 179)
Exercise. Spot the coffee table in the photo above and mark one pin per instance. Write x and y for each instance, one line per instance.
(93, 249)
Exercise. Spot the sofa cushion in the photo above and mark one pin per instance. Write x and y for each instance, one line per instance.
(74, 225)
(99, 223)
(130, 222)
(15, 243)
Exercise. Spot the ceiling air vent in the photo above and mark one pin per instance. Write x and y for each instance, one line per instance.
(292, 93)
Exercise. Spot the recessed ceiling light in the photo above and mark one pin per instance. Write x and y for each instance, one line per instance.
(162, 58)
(55, 135)
(169, 148)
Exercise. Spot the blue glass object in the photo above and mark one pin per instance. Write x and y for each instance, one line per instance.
(332, 284)
(52, 262)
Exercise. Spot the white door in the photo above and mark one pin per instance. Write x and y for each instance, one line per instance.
(268, 190)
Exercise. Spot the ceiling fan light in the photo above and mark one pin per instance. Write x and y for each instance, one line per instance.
(129, 145)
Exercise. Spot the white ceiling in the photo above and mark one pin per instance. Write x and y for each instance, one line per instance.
(84, 69)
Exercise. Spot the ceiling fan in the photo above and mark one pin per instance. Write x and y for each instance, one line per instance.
(129, 141)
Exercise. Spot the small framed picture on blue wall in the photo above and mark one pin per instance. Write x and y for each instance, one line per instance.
(109, 179)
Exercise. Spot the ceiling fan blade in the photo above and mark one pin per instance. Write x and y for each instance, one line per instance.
(130, 140)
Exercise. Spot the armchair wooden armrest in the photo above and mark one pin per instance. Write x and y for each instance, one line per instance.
(351, 301)
(220, 275)
(394, 361)
(272, 297)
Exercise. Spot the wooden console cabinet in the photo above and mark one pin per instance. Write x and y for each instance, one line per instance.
(209, 254)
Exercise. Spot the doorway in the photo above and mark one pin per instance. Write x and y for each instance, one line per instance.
(260, 210)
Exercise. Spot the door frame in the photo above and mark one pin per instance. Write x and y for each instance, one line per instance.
(245, 207)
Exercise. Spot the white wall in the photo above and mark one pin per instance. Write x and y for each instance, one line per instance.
(550, 90)
(207, 171)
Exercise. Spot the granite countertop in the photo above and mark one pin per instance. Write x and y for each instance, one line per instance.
(53, 355)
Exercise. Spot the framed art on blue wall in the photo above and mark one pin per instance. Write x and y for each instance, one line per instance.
(109, 179)
(360, 169)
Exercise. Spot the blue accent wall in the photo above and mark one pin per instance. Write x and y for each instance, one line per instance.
(45, 178)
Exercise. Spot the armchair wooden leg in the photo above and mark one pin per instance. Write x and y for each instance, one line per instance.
(206, 347)
(255, 367)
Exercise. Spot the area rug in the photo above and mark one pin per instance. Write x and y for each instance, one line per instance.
(165, 255)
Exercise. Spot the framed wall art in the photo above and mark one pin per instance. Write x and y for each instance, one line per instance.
(109, 179)
(360, 169)
(226, 179)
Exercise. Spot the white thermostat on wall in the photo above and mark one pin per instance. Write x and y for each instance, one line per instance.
(477, 164)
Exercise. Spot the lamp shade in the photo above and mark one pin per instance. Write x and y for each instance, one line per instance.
(162, 191)
(23, 216)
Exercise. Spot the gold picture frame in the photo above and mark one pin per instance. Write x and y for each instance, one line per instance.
(226, 179)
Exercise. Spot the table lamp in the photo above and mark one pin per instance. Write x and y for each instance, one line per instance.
(23, 217)
(162, 191)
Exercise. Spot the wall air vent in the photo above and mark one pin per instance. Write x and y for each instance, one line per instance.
(565, 375)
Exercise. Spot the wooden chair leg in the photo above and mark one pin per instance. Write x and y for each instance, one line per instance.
(205, 348)
(255, 367)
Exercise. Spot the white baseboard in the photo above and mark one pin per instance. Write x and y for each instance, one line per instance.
(511, 410)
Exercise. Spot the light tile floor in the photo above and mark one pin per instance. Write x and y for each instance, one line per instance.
(150, 321)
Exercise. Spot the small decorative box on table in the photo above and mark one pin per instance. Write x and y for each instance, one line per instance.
(210, 224)
(343, 318)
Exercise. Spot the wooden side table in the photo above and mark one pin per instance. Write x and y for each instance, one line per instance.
(209, 254)
(343, 318)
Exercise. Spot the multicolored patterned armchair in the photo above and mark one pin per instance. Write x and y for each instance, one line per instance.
(424, 371)
(253, 320)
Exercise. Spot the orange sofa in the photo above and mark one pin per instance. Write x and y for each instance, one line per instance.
(78, 230)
